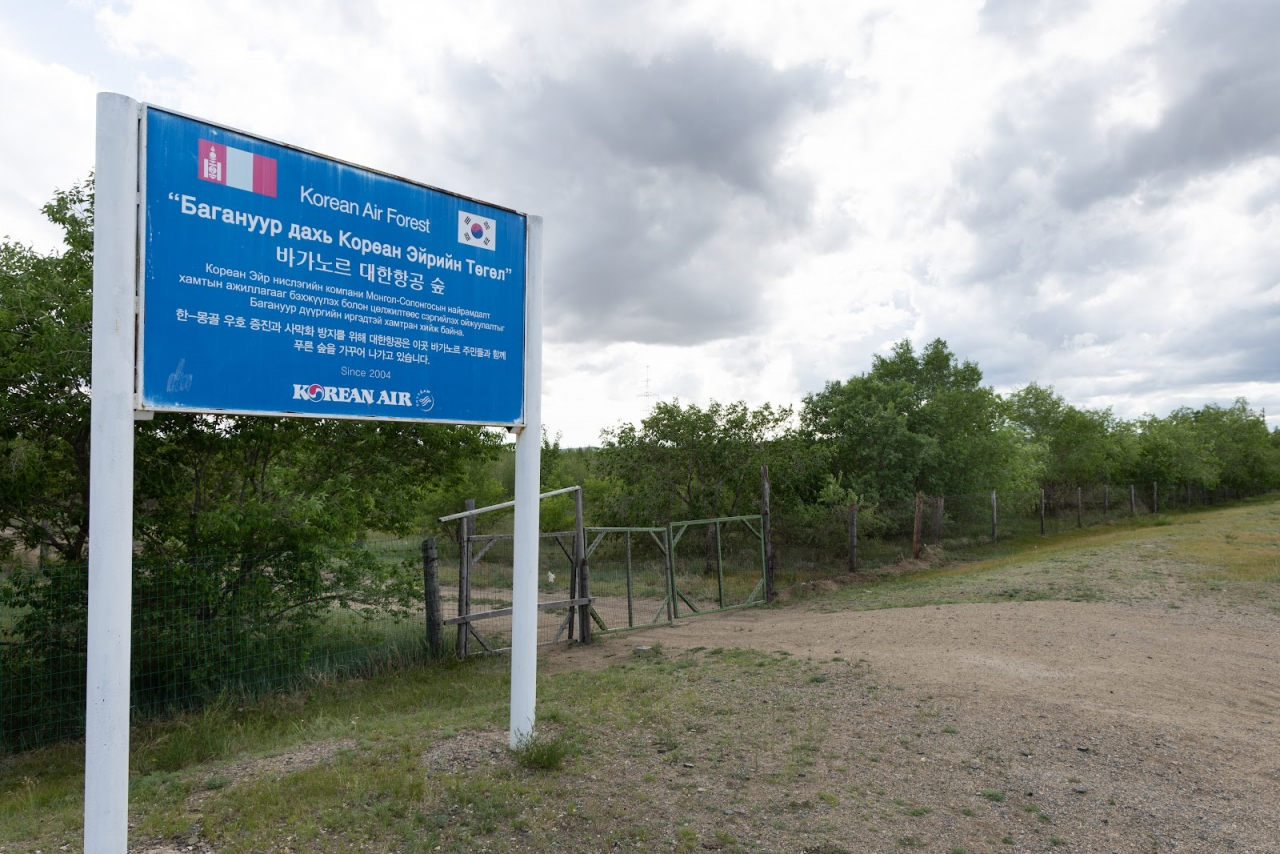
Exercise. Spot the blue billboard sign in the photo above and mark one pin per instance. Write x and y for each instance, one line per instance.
(279, 282)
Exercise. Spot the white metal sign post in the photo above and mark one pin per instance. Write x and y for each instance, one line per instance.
(115, 273)
(524, 593)
(210, 248)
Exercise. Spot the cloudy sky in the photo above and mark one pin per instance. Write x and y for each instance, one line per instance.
(745, 200)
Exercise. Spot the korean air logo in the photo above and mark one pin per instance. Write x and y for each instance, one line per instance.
(341, 394)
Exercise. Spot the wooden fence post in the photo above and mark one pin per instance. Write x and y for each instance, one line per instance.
(465, 555)
(938, 518)
(583, 571)
(1155, 497)
(431, 597)
(1079, 506)
(1042, 512)
(1106, 500)
(1133, 501)
(853, 537)
(673, 609)
(993, 515)
(766, 522)
(915, 528)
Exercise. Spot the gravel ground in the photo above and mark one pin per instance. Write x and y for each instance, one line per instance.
(1024, 726)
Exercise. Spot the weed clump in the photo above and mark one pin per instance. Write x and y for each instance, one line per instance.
(542, 752)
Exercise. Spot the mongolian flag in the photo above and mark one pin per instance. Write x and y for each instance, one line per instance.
(233, 167)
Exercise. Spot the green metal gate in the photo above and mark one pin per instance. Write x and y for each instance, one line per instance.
(728, 573)
(629, 583)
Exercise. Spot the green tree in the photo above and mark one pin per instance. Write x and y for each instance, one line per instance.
(915, 422)
(692, 462)
(1238, 440)
(1069, 446)
(1171, 450)
(45, 314)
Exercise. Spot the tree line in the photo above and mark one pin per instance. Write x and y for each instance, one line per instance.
(919, 421)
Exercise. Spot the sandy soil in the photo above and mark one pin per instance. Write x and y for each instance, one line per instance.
(1099, 726)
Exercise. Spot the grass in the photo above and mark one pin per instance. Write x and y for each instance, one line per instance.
(1244, 566)
(543, 752)
(750, 720)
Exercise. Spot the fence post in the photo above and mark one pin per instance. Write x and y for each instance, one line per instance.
(719, 563)
(583, 571)
(915, 528)
(1188, 494)
(1133, 501)
(464, 579)
(993, 515)
(631, 616)
(853, 537)
(766, 522)
(1079, 506)
(1106, 500)
(431, 597)
(1042, 512)
(673, 609)
(1155, 497)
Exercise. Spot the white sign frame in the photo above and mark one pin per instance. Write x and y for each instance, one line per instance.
(114, 406)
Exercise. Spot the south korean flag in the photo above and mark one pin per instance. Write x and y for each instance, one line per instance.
(475, 230)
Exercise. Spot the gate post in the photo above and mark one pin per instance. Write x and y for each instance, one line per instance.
(673, 610)
(581, 569)
(431, 594)
(464, 579)
(631, 617)
(719, 564)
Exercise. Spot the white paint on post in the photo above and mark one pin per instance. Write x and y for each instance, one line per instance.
(524, 596)
(115, 257)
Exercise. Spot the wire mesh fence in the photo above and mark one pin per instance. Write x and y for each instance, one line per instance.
(628, 577)
(833, 541)
(717, 564)
(202, 628)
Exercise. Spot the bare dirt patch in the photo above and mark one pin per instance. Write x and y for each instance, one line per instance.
(1146, 724)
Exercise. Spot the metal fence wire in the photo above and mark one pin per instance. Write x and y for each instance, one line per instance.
(628, 577)
(202, 628)
(823, 544)
(488, 601)
(717, 564)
